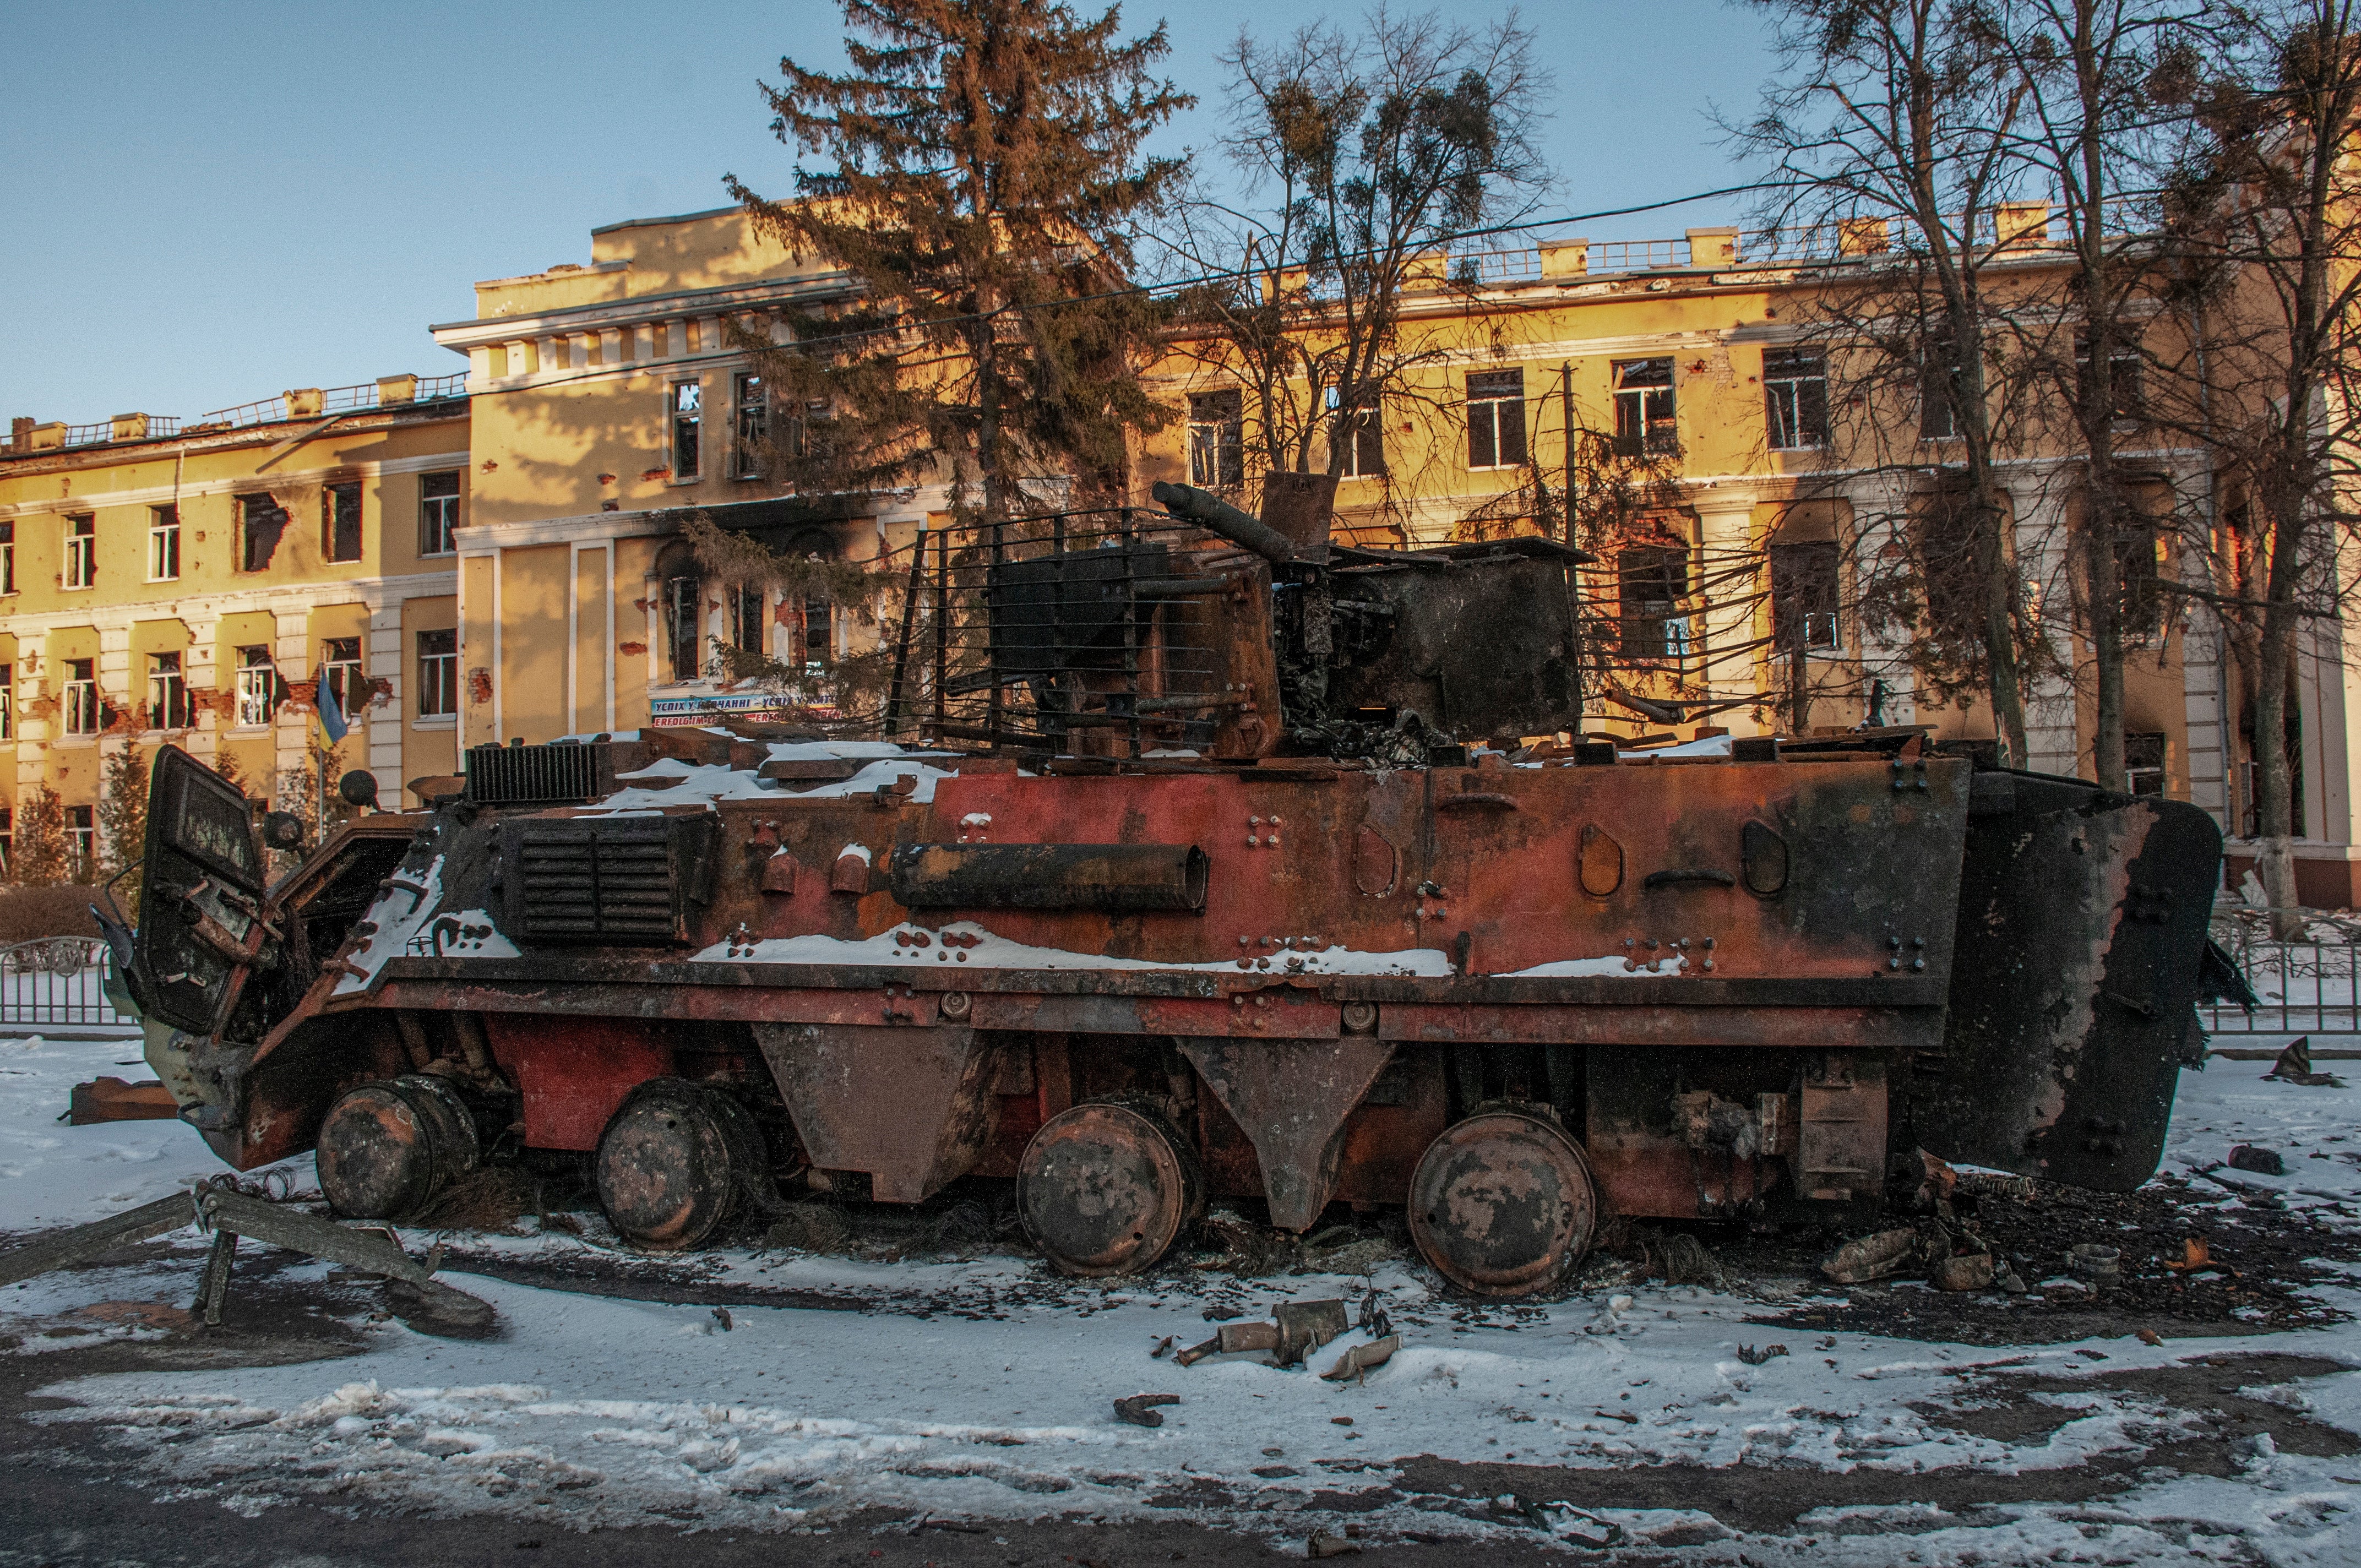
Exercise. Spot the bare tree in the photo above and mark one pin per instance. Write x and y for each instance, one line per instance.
(1892, 123)
(1359, 157)
(2271, 202)
(2093, 137)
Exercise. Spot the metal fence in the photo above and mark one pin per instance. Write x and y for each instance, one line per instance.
(58, 983)
(2306, 986)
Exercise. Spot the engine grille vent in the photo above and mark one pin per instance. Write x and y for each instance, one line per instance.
(543, 776)
(627, 882)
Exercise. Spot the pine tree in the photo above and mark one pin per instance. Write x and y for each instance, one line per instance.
(41, 855)
(981, 185)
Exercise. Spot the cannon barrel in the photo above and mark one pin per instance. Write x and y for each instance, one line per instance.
(1238, 527)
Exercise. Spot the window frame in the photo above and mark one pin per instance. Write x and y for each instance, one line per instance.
(750, 423)
(332, 517)
(1833, 646)
(687, 421)
(164, 543)
(2129, 374)
(80, 824)
(1669, 639)
(1639, 430)
(1363, 432)
(345, 676)
(1217, 439)
(1491, 435)
(80, 713)
(438, 673)
(1790, 408)
(7, 557)
(81, 552)
(1939, 407)
(8, 701)
(438, 515)
(168, 691)
(256, 687)
(2143, 779)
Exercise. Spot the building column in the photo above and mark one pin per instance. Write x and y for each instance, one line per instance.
(1725, 537)
(383, 718)
(202, 665)
(2052, 727)
(32, 732)
(1881, 659)
(290, 650)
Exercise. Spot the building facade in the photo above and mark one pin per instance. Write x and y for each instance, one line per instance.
(503, 556)
(192, 582)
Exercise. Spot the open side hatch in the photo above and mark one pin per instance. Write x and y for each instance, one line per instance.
(201, 921)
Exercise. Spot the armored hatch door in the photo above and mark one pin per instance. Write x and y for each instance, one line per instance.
(2079, 953)
(200, 893)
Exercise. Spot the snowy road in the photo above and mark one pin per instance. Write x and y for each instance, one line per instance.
(999, 1406)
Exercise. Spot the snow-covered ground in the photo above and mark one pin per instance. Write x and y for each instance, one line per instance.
(983, 1388)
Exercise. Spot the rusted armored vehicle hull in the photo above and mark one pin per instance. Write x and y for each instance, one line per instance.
(1248, 885)
(1678, 988)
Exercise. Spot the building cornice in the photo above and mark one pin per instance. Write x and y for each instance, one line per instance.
(238, 484)
(371, 593)
(486, 331)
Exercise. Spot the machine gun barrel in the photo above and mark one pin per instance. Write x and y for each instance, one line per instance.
(1238, 527)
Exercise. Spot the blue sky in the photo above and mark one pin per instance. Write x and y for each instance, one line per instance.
(206, 205)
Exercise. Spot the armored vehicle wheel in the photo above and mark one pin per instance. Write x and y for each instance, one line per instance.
(1106, 1190)
(1502, 1204)
(389, 1149)
(672, 1161)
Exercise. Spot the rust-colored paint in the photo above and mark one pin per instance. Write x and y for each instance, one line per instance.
(572, 1072)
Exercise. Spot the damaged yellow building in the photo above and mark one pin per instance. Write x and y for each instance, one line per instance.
(189, 582)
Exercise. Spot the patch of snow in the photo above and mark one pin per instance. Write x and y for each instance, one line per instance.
(401, 913)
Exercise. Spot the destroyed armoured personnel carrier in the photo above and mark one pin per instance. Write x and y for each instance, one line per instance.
(1210, 861)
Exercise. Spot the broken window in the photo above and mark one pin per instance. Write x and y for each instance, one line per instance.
(1645, 419)
(7, 702)
(1803, 584)
(1650, 582)
(1495, 418)
(1217, 449)
(438, 513)
(168, 693)
(258, 686)
(82, 552)
(687, 404)
(340, 524)
(82, 697)
(746, 618)
(163, 544)
(7, 557)
(1796, 398)
(340, 670)
(261, 522)
(2144, 765)
(438, 673)
(753, 425)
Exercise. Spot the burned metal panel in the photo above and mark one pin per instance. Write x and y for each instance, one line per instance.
(1406, 1109)
(572, 1073)
(1292, 1102)
(1518, 678)
(2081, 921)
(1112, 878)
(911, 1105)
